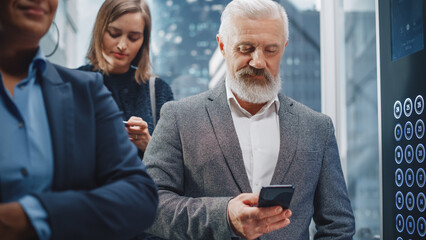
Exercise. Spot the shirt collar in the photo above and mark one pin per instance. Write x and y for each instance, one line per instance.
(234, 105)
(38, 62)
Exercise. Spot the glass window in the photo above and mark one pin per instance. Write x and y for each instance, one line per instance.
(185, 54)
(361, 116)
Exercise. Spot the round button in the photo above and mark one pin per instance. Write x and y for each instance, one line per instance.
(411, 225)
(409, 177)
(399, 238)
(399, 200)
(421, 226)
(398, 132)
(408, 130)
(420, 153)
(409, 201)
(397, 109)
(419, 104)
(399, 223)
(409, 154)
(399, 154)
(420, 177)
(421, 202)
(399, 177)
(408, 107)
(420, 129)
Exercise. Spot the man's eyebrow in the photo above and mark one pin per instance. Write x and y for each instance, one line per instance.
(273, 45)
(244, 43)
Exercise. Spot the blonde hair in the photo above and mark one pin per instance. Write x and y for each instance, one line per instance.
(108, 13)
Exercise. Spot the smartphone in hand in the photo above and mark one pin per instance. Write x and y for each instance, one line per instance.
(276, 195)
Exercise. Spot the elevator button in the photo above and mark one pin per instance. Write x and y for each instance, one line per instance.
(397, 109)
(420, 153)
(408, 107)
(399, 154)
(420, 129)
(398, 132)
(421, 227)
(399, 223)
(420, 177)
(421, 202)
(399, 177)
(409, 154)
(408, 130)
(409, 201)
(399, 200)
(409, 177)
(419, 104)
(411, 225)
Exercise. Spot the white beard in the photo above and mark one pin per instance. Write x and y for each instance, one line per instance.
(251, 91)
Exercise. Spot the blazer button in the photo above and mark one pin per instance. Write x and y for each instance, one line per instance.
(24, 172)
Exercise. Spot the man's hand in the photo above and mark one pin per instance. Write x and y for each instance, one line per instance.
(14, 223)
(251, 222)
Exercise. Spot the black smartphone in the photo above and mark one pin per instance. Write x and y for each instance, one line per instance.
(126, 124)
(276, 195)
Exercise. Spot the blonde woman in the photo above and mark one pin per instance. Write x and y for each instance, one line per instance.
(119, 49)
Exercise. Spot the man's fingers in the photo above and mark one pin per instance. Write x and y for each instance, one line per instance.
(251, 222)
(248, 199)
(266, 212)
(266, 228)
(274, 222)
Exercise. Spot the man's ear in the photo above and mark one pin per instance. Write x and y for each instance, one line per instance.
(220, 43)
(286, 43)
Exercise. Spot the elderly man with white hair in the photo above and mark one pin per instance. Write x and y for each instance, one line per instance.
(211, 153)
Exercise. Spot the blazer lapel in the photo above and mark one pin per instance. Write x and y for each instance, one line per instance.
(223, 126)
(58, 99)
(289, 132)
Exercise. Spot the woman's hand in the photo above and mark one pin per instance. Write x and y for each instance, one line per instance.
(138, 132)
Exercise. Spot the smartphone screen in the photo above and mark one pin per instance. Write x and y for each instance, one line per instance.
(276, 195)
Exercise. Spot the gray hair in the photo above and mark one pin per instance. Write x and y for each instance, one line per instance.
(253, 9)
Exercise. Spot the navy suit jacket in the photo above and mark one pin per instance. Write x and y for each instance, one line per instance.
(100, 188)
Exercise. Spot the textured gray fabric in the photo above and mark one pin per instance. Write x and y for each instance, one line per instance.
(195, 158)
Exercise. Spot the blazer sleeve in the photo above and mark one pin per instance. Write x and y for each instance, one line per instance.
(180, 216)
(107, 194)
(333, 213)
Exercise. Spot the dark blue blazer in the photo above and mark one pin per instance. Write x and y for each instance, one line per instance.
(100, 187)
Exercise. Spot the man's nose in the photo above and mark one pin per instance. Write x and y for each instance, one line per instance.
(258, 60)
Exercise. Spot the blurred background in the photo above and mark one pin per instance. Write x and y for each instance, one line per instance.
(337, 37)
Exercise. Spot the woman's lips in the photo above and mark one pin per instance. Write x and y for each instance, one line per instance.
(119, 55)
(33, 10)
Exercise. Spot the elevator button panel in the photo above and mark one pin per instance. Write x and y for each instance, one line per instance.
(409, 167)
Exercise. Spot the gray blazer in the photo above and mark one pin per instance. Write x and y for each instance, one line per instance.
(195, 158)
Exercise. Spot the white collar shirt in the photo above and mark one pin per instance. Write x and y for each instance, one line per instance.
(259, 139)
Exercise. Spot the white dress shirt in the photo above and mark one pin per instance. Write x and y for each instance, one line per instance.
(259, 138)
